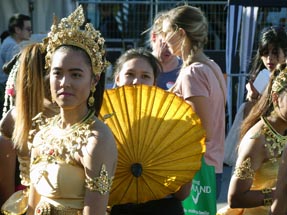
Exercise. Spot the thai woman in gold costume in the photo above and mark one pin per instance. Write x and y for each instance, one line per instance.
(263, 139)
(74, 155)
(279, 205)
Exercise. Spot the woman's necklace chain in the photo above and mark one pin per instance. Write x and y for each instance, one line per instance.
(275, 141)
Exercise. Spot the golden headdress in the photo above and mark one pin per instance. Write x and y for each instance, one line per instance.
(68, 32)
(280, 81)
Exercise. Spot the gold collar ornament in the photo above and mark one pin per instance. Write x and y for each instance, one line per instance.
(68, 32)
(275, 141)
(280, 82)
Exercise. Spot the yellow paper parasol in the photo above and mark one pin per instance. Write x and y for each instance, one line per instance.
(160, 142)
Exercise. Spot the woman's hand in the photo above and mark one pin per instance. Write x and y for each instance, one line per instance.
(252, 93)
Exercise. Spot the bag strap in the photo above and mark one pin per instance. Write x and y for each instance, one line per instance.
(218, 79)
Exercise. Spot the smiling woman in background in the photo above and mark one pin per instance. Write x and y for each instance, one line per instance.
(134, 67)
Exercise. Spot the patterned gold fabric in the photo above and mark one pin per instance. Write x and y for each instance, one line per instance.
(17, 203)
(244, 171)
(265, 177)
(55, 173)
(44, 208)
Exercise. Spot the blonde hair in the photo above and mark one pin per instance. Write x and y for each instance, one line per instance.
(30, 92)
(157, 22)
(194, 23)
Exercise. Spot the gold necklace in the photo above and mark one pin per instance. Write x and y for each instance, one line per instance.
(58, 144)
(57, 121)
(275, 141)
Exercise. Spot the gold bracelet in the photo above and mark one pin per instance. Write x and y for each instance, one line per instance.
(267, 201)
(266, 191)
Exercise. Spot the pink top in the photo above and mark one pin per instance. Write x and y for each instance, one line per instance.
(199, 79)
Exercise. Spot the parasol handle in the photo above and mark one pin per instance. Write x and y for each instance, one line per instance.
(136, 169)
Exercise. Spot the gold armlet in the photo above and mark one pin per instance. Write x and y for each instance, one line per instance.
(267, 201)
(244, 171)
(102, 184)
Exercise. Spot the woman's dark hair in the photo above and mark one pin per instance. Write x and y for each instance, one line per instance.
(273, 35)
(99, 94)
(138, 53)
(263, 107)
(17, 20)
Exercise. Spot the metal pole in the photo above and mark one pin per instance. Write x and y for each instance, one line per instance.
(31, 9)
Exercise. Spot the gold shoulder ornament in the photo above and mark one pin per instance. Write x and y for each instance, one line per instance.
(102, 184)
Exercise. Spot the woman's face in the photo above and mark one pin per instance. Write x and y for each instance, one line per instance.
(272, 57)
(70, 79)
(135, 71)
(161, 49)
(172, 37)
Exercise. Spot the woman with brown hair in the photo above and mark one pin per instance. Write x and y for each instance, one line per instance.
(263, 138)
(29, 89)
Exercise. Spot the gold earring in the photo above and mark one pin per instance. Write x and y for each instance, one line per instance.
(91, 100)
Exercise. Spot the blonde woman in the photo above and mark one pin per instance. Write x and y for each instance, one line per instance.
(200, 82)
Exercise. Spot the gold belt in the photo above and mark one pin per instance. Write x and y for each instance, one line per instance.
(45, 208)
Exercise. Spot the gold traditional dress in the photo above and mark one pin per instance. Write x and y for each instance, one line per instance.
(266, 175)
(18, 201)
(58, 178)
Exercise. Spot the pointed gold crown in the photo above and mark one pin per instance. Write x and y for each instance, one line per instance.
(68, 32)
